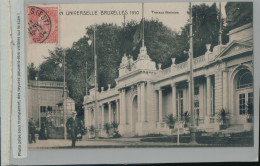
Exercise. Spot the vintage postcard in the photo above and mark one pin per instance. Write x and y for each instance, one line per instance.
(134, 75)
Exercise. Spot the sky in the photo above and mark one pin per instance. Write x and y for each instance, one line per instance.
(73, 27)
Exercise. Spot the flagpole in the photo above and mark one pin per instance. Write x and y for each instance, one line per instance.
(192, 128)
(124, 36)
(64, 97)
(96, 86)
(143, 24)
(220, 28)
(86, 78)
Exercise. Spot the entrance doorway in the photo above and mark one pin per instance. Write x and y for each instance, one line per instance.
(244, 93)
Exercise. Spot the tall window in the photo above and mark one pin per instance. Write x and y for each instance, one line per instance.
(244, 91)
(43, 108)
(245, 80)
(242, 103)
(196, 101)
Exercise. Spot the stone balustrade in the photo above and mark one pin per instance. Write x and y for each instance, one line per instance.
(46, 83)
(102, 95)
(184, 66)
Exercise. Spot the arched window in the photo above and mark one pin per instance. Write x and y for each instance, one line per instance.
(245, 79)
(244, 90)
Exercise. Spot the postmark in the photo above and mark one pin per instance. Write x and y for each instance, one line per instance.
(42, 24)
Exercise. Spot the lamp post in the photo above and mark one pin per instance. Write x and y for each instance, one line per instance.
(64, 93)
(86, 78)
(95, 72)
(37, 97)
(192, 127)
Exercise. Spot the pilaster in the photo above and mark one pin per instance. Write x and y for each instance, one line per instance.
(117, 111)
(160, 105)
(142, 88)
(174, 111)
(109, 113)
(225, 89)
(208, 82)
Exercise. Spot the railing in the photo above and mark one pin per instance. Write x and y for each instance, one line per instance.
(182, 65)
(199, 121)
(101, 95)
(107, 93)
(46, 83)
(199, 60)
(166, 71)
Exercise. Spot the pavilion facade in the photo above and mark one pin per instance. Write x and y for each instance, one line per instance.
(145, 94)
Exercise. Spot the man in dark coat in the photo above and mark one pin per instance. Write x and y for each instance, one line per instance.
(32, 130)
(72, 128)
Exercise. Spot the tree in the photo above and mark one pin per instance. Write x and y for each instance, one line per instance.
(205, 27)
(32, 72)
(156, 36)
(238, 14)
(113, 41)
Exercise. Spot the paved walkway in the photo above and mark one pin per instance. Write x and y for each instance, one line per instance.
(100, 143)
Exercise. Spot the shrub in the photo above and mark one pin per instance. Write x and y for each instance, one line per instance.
(114, 125)
(170, 121)
(223, 117)
(92, 129)
(107, 127)
(250, 111)
(186, 119)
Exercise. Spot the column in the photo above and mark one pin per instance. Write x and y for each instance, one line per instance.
(184, 99)
(86, 116)
(109, 112)
(188, 98)
(117, 112)
(225, 89)
(102, 114)
(160, 105)
(142, 102)
(122, 107)
(201, 104)
(208, 112)
(174, 111)
(94, 116)
(138, 103)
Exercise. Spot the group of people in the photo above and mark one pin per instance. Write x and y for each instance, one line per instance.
(75, 129)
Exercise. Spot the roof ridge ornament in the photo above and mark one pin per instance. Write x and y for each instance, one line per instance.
(143, 54)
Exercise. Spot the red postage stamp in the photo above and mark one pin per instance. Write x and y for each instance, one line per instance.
(42, 24)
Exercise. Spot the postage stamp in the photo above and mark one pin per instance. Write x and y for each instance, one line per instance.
(43, 24)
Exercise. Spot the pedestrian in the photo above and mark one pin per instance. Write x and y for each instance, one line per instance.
(32, 130)
(72, 128)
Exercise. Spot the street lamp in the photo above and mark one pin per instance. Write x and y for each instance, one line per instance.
(95, 65)
(63, 63)
(192, 127)
(37, 97)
